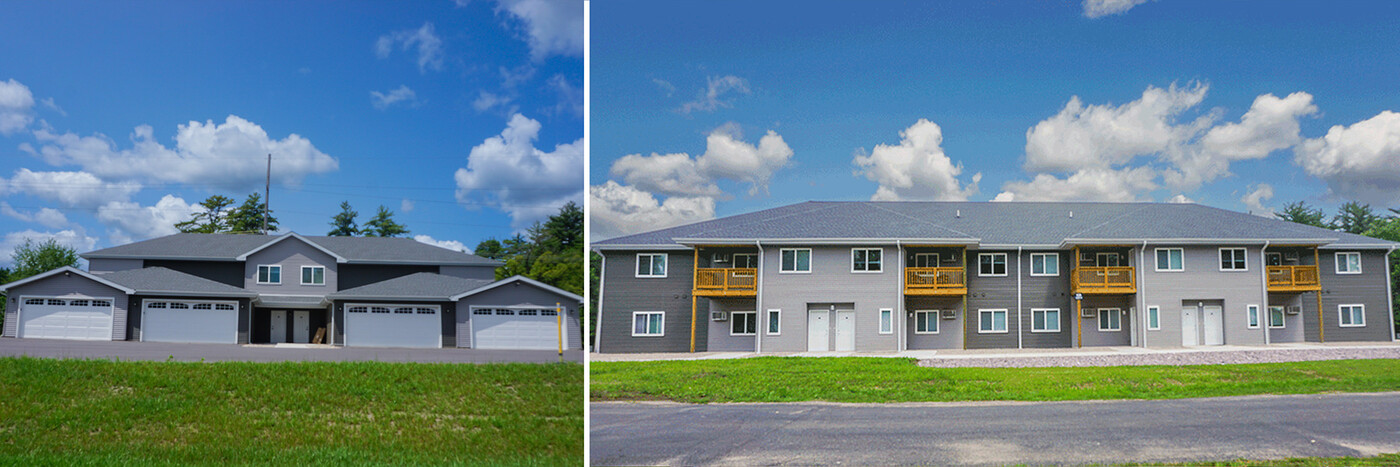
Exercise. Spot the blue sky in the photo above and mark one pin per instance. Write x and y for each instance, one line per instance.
(465, 118)
(707, 109)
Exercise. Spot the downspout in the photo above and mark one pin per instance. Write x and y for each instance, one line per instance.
(1142, 298)
(899, 318)
(1018, 298)
(598, 327)
(1264, 316)
(1389, 299)
(758, 303)
(1321, 327)
(695, 270)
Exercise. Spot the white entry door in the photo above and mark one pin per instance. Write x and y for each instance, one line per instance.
(516, 328)
(301, 326)
(818, 331)
(278, 327)
(1214, 325)
(58, 318)
(1188, 327)
(845, 331)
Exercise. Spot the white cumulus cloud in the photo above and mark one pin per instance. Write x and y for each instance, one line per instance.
(551, 27)
(1360, 162)
(448, 244)
(1085, 185)
(16, 106)
(424, 40)
(382, 100)
(1102, 136)
(71, 189)
(1100, 8)
(916, 168)
(726, 156)
(507, 172)
(1254, 200)
(130, 221)
(616, 210)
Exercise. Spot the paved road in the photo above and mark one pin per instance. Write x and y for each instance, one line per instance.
(158, 351)
(1257, 427)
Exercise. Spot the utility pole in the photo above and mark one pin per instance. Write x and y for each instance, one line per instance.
(267, 192)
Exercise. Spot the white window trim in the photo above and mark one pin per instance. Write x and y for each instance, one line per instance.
(732, 314)
(936, 258)
(1057, 319)
(992, 310)
(633, 324)
(771, 312)
(794, 261)
(936, 316)
(867, 260)
(258, 274)
(1352, 325)
(1257, 317)
(1005, 265)
(1155, 263)
(1047, 255)
(880, 316)
(664, 271)
(1099, 320)
(1117, 258)
(1340, 262)
(1283, 312)
(1150, 311)
(313, 275)
(1220, 258)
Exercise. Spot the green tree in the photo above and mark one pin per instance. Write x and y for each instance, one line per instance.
(32, 258)
(383, 225)
(1301, 213)
(1354, 217)
(595, 271)
(344, 223)
(489, 249)
(213, 219)
(248, 217)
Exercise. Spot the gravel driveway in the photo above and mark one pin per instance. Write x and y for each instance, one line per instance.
(1169, 358)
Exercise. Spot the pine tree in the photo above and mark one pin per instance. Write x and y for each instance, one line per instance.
(212, 220)
(248, 217)
(383, 225)
(344, 223)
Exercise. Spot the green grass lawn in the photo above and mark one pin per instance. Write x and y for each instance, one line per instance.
(1383, 460)
(792, 379)
(104, 412)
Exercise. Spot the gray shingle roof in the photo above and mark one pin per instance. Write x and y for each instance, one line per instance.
(158, 280)
(425, 285)
(993, 223)
(227, 247)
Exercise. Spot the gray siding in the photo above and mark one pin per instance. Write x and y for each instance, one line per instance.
(719, 338)
(1294, 327)
(626, 293)
(831, 281)
(950, 331)
(102, 266)
(354, 275)
(226, 272)
(291, 254)
(1092, 336)
(62, 285)
(469, 272)
(514, 295)
(990, 293)
(1046, 292)
(1367, 288)
(1203, 280)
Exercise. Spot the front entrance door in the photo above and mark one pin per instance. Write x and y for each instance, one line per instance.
(301, 326)
(1214, 325)
(818, 331)
(1188, 327)
(845, 331)
(277, 326)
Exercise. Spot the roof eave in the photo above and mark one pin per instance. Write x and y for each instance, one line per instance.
(69, 270)
(1194, 241)
(338, 258)
(827, 241)
(389, 298)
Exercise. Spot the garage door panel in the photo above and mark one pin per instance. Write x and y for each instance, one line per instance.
(516, 329)
(414, 326)
(198, 322)
(55, 318)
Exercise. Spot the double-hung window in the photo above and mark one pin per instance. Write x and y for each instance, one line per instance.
(991, 321)
(648, 323)
(1045, 320)
(796, 260)
(991, 264)
(1233, 259)
(1349, 263)
(1110, 319)
(1276, 317)
(743, 323)
(269, 274)
(313, 275)
(1045, 264)
(1352, 315)
(865, 259)
(651, 265)
(1170, 259)
(926, 322)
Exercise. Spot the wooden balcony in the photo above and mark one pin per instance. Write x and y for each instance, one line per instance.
(726, 282)
(935, 281)
(1293, 278)
(1104, 280)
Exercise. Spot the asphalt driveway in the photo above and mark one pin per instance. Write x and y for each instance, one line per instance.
(159, 351)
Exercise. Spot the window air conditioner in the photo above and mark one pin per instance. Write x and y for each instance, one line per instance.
(1290, 255)
(950, 314)
(719, 258)
(719, 315)
(1088, 313)
(1293, 310)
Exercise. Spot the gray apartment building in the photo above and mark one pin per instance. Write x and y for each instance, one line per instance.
(892, 276)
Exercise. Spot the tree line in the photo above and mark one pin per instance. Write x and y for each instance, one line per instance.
(248, 218)
(1357, 218)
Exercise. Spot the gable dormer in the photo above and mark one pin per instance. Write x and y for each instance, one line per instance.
(291, 265)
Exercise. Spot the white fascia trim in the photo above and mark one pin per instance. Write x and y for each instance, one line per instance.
(827, 241)
(638, 247)
(67, 269)
(155, 257)
(391, 298)
(1359, 246)
(1196, 241)
(174, 293)
(513, 279)
(338, 258)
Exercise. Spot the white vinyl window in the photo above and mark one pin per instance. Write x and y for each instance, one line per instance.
(886, 321)
(1170, 259)
(1276, 318)
(1107, 260)
(775, 322)
(1154, 318)
(648, 324)
(1045, 264)
(651, 265)
(925, 260)
(743, 323)
(745, 260)
(1110, 319)
(1233, 259)
(866, 259)
(1349, 263)
(926, 322)
(269, 274)
(796, 260)
(1045, 320)
(991, 264)
(1253, 312)
(1352, 315)
(991, 321)
(313, 275)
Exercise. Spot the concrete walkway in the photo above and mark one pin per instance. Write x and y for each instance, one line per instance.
(160, 351)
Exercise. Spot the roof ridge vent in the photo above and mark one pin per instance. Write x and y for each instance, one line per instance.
(1071, 214)
(957, 213)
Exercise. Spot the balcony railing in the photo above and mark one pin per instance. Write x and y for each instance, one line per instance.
(1293, 278)
(726, 282)
(1104, 280)
(935, 281)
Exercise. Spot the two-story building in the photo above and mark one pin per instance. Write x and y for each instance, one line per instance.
(240, 289)
(892, 276)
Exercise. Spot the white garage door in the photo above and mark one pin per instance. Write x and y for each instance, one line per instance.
(515, 328)
(64, 318)
(190, 321)
(393, 326)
